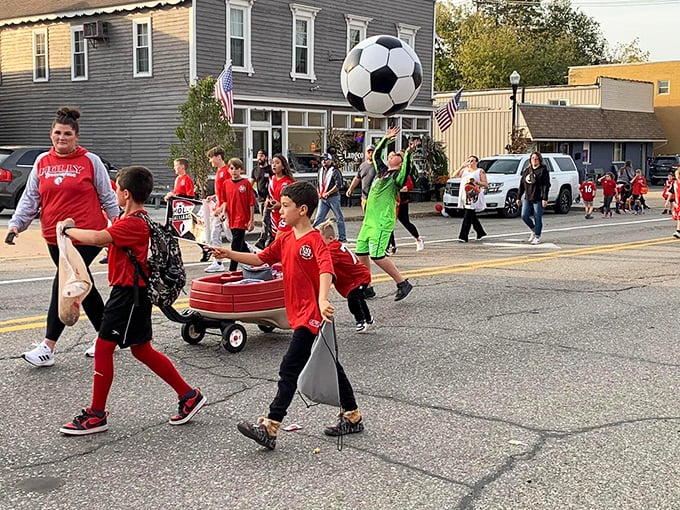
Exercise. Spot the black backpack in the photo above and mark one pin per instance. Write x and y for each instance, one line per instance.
(167, 276)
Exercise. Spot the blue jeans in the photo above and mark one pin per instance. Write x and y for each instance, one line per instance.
(332, 203)
(536, 209)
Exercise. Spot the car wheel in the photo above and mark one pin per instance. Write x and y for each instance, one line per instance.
(511, 209)
(563, 204)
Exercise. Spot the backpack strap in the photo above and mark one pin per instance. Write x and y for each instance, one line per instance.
(139, 272)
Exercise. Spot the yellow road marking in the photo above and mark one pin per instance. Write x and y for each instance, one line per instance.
(38, 321)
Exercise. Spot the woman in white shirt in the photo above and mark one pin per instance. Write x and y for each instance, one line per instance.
(471, 197)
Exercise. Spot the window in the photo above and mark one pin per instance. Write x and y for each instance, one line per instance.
(238, 34)
(78, 54)
(407, 33)
(462, 104)
(663, 87)
(356, 29)
(141, 44)
(40, 69)
(558, 102)
(618, 152)
(303, 42)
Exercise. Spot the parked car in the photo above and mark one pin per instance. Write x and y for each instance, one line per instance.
(305, 167)
(16, 162)
(661, 166)
(503, 172)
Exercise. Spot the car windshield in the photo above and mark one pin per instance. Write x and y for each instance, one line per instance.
(499, 166)
(657, 161)
(304, 163)
(4, 154)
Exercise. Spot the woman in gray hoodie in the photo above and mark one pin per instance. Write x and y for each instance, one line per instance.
(534, 185)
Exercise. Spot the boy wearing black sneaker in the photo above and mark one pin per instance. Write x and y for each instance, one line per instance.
(307, 277)
(127, 313)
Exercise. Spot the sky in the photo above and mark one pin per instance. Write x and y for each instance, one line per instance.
(654, 22)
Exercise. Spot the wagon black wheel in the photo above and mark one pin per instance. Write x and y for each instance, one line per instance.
(192, 333)
(265, 329)
(234, 338)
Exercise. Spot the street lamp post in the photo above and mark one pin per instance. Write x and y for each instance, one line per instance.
(514, 81)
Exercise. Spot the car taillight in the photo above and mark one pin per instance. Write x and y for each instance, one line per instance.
(5, 175)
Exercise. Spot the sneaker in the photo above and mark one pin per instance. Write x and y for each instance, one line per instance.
(215, 267)
(88, 422)
(369, 292)
(480, 237)
(391, 250)
(403, 290)
(263, 433)
(41, 356)
(462, 240)
(370, 321)
(345, 424)
(189, 405)
(665, 211)
(361, 327)
(90, 350)
(531, 238)
(537, 240)
(420, 245)
(676, 234)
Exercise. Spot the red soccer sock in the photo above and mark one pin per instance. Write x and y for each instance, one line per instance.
(161, 365)
(103, 373)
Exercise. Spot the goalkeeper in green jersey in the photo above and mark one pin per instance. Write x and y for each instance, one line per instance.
(381, 210)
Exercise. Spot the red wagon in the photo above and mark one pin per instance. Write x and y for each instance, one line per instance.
(218, 301)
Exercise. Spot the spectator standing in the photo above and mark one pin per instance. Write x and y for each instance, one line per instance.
(240, 208)
(216, 158)
(588, 190)
(328, 186)
(470, 173)
(261, 175)
(127, 314)
(534, 185)
(364, 176)
(67, 181)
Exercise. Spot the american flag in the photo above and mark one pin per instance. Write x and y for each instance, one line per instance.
(224, 92)
(446, 113)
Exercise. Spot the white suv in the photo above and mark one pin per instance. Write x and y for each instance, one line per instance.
(503, 172)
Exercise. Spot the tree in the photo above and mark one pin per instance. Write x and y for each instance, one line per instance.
(628, 53)
(201, 128)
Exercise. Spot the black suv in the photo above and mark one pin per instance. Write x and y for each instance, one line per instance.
(16, 162)
(661, 166)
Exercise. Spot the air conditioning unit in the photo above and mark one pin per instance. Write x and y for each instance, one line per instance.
(96, 30)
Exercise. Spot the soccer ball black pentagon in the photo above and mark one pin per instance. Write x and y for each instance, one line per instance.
(381, 76)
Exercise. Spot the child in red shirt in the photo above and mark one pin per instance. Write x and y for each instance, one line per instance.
(352, 277)
(638, 185)
(307, 278)
(216, 158)
(588, 190)
(282, 177)
(608, 192)
(127, 313)
(667, 194)
(240, 207)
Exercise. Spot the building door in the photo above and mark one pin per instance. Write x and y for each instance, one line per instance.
(260, 140)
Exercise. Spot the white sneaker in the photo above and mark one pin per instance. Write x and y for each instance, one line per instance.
(215, 267)
(90, 350)
(420, 245)
(41, 356)
(536, 240)
(531, 238)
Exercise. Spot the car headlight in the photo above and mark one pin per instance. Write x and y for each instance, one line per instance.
(494, 187)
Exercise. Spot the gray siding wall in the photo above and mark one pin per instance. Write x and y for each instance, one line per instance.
(124, 119)
(271, 36)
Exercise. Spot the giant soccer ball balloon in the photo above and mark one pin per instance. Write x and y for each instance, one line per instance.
(381, 76)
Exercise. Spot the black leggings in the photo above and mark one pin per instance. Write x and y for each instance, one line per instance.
(293, 362)
(356, 301)
(402, 216)
(238, 243)
(93, 304)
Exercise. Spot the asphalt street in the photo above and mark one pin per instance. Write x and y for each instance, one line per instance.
(513, 377)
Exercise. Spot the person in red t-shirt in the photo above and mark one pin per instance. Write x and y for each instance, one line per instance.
(127, 314)
(282, 177)
(307, 278)
(588, 190)
(216, 158)
(67, 181)
(352, 277)
(240, 207)
(638, 184)
(608, 192)
(667, 194)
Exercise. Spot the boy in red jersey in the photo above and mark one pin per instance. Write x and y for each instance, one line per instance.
(352, 277)
(216, 158)
(127, 313)
(240, 207)
(307, 278)
(588, 190)
(608, 192)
